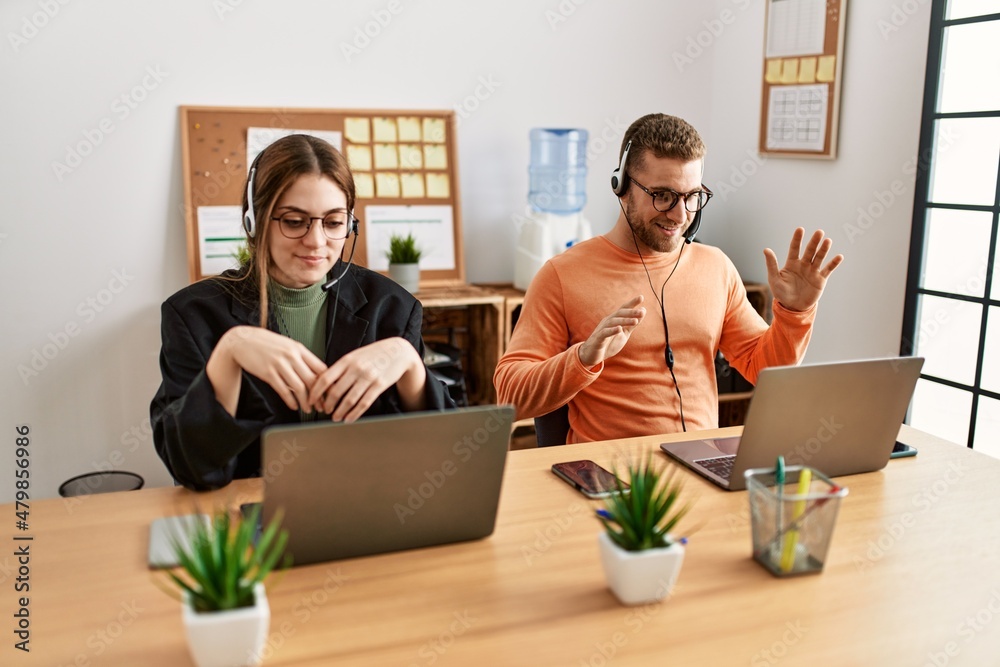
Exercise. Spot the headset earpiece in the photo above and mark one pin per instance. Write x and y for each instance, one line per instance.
(249, 220)
(619, 177)
(354, 224)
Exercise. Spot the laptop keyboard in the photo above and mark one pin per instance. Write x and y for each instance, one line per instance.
(720, 465)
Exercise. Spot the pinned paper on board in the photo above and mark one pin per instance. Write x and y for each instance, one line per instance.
(220, 235)
(795, 27)
(384, 129)
(438, 186)
(364, 186)
(356, 130)
(410, 156)
(825, 72)
(409, 128)
(807, 70)
(431, 226)
(789, 70)
(435, 157)
(359, 158)
(413, 185)
(797, 117)
(387, 185)
(772, 74)
(259, 138)
(386, 156)
(434, 130)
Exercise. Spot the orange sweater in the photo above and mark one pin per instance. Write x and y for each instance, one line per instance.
(632, 394)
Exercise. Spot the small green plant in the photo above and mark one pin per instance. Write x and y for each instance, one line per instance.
(642, 516)
(403, 249)
(222, 564)
(242, 254)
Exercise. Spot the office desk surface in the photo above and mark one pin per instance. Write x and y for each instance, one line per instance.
(912, 578)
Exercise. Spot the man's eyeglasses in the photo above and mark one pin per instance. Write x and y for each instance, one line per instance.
(666, 199)
(336, 224)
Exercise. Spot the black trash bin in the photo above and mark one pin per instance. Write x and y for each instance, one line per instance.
(106, 481)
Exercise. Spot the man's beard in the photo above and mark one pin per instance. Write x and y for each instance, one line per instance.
(649, 234)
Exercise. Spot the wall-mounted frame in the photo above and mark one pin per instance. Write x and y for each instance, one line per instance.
(800, 93)
(405, 170)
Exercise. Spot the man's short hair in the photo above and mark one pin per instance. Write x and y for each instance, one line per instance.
(664, 136)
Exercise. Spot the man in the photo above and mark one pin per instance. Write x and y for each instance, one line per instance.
(585, 336)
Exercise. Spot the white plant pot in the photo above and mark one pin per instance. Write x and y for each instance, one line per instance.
(407, 275)
(232, 638)
(639, 577)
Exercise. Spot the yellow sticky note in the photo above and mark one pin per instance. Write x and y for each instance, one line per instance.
(789, 70)
(773, 72)
(435, 157)
(438, 186)
(387, 185)
(825, 70)
(410, 156)
(385, 156)
(413, 185)
(384, 129)
(807, 70)
(356, 130)
(359, 158)
(409, 128)
(364, 186)
(434, 130)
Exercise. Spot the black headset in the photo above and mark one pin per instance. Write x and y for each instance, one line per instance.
(620, 183)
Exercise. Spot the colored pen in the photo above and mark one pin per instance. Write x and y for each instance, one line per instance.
(779, 482)
(792, 535)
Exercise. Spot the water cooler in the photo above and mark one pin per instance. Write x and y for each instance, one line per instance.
(557, 194)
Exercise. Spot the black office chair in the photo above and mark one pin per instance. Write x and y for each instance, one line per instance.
(105, 481)
(551, 428)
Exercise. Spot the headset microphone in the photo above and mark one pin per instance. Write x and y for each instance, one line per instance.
(691, 231)
(354, 229)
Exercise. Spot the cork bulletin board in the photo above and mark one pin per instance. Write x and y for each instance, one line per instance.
(404, 166)
(803, 62)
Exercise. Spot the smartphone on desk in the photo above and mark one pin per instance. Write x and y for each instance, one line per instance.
(588, 478)
(899, 450)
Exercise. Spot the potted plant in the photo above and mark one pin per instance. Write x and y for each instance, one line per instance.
(225, 610)
(404, 256)
(641, 558)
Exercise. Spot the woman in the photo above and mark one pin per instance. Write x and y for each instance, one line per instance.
(265, 344)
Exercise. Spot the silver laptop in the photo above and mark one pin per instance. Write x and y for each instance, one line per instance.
(840, 418)
(386, 483)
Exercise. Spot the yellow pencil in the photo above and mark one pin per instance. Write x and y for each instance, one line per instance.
(792, 536)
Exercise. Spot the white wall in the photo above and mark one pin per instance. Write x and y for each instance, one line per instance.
(88, 254)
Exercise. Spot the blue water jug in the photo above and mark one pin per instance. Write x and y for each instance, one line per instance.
(558, 170)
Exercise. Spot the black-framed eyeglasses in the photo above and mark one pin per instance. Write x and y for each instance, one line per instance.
(336, 224)
(666, 199)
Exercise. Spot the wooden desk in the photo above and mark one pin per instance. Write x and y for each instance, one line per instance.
(913, 572)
